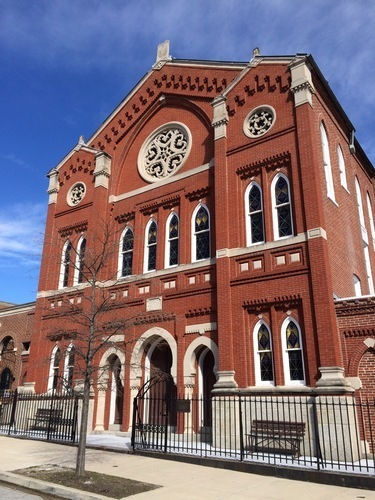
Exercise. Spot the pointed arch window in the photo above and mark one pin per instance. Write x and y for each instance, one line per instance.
(69, 367)
(65, 265)
(254, 214)
(151, 246)
(263, 355)
(327, 163)
(357, 286)
(79, 267)
(172, 246)
(126, 253)
(371, 219)
(282, 209)
(294, 371)
(342, 168)
(54, 373)
(201, 233)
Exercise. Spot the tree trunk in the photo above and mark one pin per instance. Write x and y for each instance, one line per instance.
(81, 452)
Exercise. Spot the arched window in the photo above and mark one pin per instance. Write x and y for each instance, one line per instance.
(65, 265)
(371, 219)
(201, 233)
(357, 286)
(151, 246)
(342, 168)
(294, 371)
(327, 163)
(263, 355)
(172, 241)
(282, 209)
(126, 253)
(360, 205)
(254, 214)
(69, 367)
(54, 372)
(80, 261)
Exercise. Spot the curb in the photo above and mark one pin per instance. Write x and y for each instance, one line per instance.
(49, 488)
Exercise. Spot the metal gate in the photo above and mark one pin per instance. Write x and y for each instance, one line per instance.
(43, 416)
(153, 413)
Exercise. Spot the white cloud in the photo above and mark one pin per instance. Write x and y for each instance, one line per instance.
(21, 234)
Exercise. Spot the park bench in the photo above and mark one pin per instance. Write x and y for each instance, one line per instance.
(276, 436)
(49, 419)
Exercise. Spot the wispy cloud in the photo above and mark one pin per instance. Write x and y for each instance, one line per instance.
(21, 235)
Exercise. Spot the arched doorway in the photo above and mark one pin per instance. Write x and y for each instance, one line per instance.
(206, 381)
(162, 395)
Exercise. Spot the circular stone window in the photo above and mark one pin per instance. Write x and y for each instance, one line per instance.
(76, 194)
(164, 152)
(259, 121)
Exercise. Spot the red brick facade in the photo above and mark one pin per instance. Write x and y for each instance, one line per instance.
(275, 268)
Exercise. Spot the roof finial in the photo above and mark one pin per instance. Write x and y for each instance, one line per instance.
(163, 52)
(256, 52)
(81, 140)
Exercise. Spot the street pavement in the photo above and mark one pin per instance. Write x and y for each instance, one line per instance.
(178, 481)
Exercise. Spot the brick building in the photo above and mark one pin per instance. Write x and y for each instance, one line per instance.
(238, 207)
(16, 323)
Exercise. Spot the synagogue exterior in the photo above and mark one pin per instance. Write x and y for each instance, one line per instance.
(233, 210)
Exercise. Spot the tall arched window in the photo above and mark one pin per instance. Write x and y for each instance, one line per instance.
(357, 286)
(126, 253)
(282, 209)
(80, 261)
(54, 371)
(151, 246)
(327, 163)
(342, 168)
(371, 219)
(359, 204)
(172, 241)
(65, 265)
(263, 355)
(254, 214)
(69, 367)
(294, 371)
(201, 233)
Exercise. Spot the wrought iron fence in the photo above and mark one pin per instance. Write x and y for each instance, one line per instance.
(327, 433)
(44, 416)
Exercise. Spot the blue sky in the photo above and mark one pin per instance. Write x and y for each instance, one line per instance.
(66, 64)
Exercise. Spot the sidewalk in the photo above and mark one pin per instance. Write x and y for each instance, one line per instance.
(178, 480)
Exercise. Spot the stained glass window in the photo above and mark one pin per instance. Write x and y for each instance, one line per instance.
(294, 351)
(283, 208)
(81, 258)
(265, 354)
(70, 367)
(152, 246)
(173, 235)
(66, 264)
(127, 253)
(256, 215)
(56, 367)
(202, 234)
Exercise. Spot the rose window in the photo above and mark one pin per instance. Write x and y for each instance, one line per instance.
(259, 121)
(76, 194)
(164, 152)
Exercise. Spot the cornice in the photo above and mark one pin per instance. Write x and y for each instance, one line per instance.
(166, 203)
(281, 160)
(78, 227)
(359, 332)
(354, 306)
(125, 217)
(283, 302)
(198, 193)
(202, 311)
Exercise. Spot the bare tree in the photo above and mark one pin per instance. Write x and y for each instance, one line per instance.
(88, 322)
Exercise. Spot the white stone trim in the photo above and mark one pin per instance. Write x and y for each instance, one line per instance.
(201, 328)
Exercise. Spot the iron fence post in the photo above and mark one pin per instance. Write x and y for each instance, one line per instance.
(13, 413)
(316, 435)
(132, 440)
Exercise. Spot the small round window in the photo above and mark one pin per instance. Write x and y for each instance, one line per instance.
(259, 121)
(76, 194)
(164, 152)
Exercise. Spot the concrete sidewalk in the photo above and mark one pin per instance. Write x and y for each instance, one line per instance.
(178, 480)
